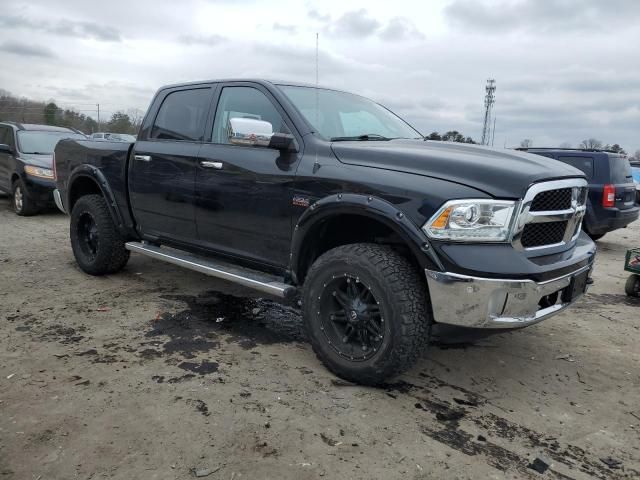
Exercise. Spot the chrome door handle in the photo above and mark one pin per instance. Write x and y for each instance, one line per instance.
(143, 158)
(208, 164)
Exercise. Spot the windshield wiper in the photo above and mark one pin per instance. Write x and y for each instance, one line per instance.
(361, 138)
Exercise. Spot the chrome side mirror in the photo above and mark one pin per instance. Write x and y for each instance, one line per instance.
(258, 133)
(249, 131)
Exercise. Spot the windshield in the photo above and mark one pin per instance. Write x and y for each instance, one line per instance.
(344, 116)
(42, 142)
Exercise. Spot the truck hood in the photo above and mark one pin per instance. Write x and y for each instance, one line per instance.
(44, 160)
(499, 172)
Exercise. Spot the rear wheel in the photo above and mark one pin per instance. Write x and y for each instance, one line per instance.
(632, 287)
(97, 245)
(23, 204)
(366, 312)
(596, 236)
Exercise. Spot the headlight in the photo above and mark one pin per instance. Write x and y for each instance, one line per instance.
(472, 221)
(38, 172)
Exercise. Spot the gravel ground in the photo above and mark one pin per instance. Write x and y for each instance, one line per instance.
(162, 373)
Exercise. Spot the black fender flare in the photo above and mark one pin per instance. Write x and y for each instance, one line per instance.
(94, 173)
(365, 205)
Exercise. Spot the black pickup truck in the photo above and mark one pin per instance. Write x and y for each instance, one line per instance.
(330, 198)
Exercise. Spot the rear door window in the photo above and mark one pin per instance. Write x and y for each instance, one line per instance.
(583, 163)
(182, 115)
(6, 136)
(620, 169)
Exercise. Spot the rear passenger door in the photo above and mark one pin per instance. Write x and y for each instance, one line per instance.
(163, 165)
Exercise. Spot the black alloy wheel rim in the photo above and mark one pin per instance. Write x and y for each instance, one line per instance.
(88, 235)
(351, 319)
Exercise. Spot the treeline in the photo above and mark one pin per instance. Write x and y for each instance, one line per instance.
(23, 110)
(451, 136)
(589, 144)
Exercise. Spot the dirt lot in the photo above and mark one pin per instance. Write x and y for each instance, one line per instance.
(156, 371)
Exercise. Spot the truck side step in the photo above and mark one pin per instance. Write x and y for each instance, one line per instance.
(217, 268)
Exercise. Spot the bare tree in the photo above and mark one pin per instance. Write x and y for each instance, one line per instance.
(615, 148)
(565, 145)
(526, 143)
(591, 144)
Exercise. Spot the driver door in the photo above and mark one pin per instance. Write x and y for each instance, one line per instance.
(244, 193)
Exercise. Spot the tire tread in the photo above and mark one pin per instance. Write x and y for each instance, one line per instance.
(114, 255)
(412, 307)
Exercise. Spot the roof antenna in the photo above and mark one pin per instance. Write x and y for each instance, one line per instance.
(316, 165)
(317, 99)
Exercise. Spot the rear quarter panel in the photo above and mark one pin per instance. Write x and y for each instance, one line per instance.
(73, 158)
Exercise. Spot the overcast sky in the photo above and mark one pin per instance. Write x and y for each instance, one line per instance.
(565, 69)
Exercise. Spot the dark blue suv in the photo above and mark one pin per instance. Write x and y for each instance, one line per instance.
(612, 192)
(26, 163)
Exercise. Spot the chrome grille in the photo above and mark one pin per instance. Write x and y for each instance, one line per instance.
(550, 214)
(552, 200)
(538, 234)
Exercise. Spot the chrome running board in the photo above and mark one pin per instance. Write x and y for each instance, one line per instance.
(216, 268)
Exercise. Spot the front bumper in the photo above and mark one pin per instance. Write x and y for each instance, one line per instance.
(40, 190)
(495, 303)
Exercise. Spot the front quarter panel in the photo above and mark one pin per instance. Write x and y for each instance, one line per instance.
(402, 201)
(416, 196)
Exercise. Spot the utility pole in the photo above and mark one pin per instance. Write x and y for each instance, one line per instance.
(98, 105)
(489, 100)
(493, 135)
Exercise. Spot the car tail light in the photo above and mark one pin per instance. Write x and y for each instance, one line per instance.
(609, 195)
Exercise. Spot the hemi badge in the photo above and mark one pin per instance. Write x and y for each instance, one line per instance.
(299, 201)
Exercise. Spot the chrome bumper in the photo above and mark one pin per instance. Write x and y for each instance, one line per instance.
(58, 199)
(493, 303)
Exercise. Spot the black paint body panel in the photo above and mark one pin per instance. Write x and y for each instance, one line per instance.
(246, 209)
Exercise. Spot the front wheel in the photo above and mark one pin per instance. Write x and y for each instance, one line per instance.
(23, 204)
(97, 245)
(366, 312)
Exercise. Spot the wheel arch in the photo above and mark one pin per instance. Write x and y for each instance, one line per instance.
(89, 180)
(353, 218)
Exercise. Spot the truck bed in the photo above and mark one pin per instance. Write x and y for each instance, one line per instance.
(73, 157)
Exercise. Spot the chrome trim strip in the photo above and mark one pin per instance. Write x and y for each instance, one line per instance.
(209, 267)
(57, 198)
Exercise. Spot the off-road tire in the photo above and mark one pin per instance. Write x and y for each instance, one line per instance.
(110, 255)
(403, 300)
(632, 286)
(26, 206)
